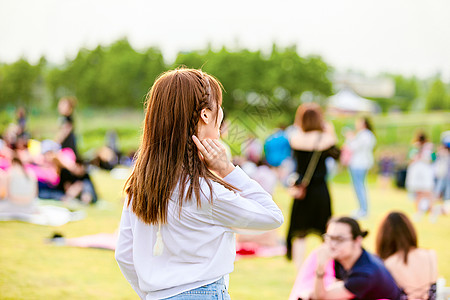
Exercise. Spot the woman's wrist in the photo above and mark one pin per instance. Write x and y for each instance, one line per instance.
(226, 170)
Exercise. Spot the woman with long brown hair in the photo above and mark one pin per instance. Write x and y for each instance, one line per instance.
(309, 214)
(414, 269)
(185, 197)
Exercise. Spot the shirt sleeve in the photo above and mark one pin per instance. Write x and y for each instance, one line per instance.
(359, 284)
(250, 208)
(124, 252)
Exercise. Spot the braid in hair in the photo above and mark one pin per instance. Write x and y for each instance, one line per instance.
(190, 143)
(191, 147)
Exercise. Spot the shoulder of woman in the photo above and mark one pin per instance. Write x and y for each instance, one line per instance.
(423, 255)
(329, 138)
(297, 139)
(390, 260)
(307, 141)
(393, 260)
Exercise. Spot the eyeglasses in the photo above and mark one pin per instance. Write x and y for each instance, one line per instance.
(336, 239)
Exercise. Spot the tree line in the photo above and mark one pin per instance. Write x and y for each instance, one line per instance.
(118, 76)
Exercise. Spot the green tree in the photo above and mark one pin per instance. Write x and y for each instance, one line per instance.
(406, 92)
(120, 76)
(247, 73)
(17, 82)
(437, 98)
(115, 76)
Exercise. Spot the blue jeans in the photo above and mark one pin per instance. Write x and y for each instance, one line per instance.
(442, 188)
(359, 183)
(213, 291)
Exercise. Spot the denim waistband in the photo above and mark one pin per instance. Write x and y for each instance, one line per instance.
(220, 281)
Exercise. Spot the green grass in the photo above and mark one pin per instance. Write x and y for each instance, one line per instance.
(33, 269)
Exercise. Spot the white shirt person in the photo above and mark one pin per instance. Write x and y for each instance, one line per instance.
(168, 247)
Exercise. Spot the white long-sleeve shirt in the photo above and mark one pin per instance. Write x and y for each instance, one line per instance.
(361, 147)
(199, 247)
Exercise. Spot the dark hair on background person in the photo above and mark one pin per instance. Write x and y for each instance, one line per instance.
(368, 124)
(309, 117)
(396, 233)
(354, 226)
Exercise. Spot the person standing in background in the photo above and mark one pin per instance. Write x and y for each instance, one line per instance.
(361, 146)
(66, 133)
(311, 213)
(420, 174)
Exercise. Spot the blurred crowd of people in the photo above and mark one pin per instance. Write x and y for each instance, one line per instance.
(428, 175)
(303, 157)
(50, 169)
(53, 169)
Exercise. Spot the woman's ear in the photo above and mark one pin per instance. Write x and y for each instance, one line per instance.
(205, 116)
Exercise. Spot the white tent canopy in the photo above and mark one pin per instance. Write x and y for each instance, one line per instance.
(348, 101)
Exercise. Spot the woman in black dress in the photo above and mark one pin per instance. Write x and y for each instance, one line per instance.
(310, 214)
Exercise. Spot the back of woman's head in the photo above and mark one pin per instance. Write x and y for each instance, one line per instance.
(421, 137)
(396, 233)
(367, 123)
(309, 117)
(15, 161)
(355, 229)
(167, 155)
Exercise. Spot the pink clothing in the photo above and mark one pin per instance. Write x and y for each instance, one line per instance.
(4, 163)
(304, 283)
(101, 240)
(48, 172)
(44, 174)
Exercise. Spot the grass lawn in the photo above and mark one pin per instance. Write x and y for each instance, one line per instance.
(33, 269)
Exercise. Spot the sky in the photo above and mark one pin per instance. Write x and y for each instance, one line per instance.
(408, 37)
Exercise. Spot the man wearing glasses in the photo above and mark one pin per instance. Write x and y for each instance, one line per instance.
(359, 274)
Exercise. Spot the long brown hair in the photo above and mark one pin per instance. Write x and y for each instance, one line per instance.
(167, 155)
(309, 117)
(396, 233)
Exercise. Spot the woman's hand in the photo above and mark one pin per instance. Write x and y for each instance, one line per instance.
(214, 155)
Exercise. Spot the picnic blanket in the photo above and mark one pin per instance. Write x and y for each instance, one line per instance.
(48, 215)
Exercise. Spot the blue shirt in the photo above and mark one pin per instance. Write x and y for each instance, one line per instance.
(277, 148)
(368, 278)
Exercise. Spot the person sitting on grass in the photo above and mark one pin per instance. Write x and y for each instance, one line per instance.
(414, 269)
(359, 274)
(20, 190)
(76, 183)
